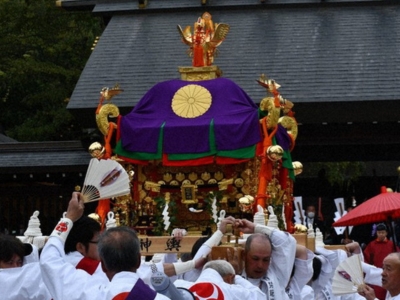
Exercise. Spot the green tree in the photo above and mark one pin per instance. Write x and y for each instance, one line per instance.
(43, 52)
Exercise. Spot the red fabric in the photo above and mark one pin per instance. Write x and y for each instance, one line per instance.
(190, 162)
(88, 264)
(102, 209)
(380, 292)
(107, 141)
(121, 296)
(376, 251)
(229, 160)
(265, 174)
(118, 135)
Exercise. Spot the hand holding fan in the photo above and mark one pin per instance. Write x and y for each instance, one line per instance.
(348, 277)
(105, 178)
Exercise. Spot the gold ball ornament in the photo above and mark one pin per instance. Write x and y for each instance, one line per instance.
(297, 167)
(96, 150)
(275, 152)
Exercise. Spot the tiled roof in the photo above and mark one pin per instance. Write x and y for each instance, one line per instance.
(46, 155)
(328, 54)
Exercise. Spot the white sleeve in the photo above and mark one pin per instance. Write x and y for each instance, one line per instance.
(324, 276)
(373, 275)
(23, 283)
(303, 270)
(61, 278)
(205, 249)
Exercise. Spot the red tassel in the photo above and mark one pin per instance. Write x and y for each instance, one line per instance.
(103, 207)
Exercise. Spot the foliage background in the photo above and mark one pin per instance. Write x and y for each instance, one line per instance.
(43, 52)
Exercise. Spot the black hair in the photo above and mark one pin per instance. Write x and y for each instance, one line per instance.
(83, 232)
(10, 246)
(196, 246)
(317, 265)
(380, 227)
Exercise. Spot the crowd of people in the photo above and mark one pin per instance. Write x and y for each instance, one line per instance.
(81, 261)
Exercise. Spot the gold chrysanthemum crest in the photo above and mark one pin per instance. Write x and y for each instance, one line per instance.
(191, 101)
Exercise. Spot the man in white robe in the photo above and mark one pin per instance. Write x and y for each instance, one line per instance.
(268, 258)
(390, 278)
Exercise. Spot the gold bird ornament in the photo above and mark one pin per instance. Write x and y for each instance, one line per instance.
(204, 40)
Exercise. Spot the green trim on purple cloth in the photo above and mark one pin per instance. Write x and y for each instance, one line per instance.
(242, 153)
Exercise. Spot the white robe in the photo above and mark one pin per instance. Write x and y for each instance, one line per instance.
(144, 271)
(75, 257)
(302, 274)
(307, 293)
(66, 282)
(23, 283)
(241, 290)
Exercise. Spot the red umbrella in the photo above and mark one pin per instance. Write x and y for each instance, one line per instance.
(381, 208)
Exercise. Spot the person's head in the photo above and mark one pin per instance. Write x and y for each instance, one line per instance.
(84, 237)
(12, 252)
(119, 250)
(381, 232)
(257, 255)
(391, 273)
(224, 268)
(310, 211)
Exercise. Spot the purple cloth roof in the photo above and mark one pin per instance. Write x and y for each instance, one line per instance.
(235, 118)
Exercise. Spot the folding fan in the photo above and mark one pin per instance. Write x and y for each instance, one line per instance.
(348, 277)
(105, 178)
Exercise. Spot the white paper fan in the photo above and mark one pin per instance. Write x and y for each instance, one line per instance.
(348, 276)
(105, 178)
